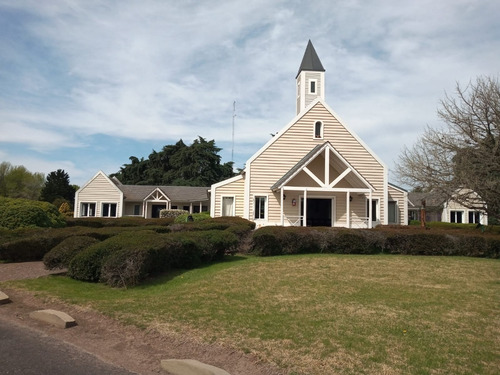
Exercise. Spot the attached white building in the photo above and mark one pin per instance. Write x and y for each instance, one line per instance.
(103, 196)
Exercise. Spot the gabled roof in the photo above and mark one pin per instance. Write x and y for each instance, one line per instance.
(317, 150)
(310, 61)
(431, 199)
(297, 167)
(298, 117)
(138, 193)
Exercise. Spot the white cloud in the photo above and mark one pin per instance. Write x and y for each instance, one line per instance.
(160, 71)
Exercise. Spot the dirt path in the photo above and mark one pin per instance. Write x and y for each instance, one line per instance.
(127, 346)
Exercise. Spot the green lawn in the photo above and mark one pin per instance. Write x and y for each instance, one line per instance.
(322, 314)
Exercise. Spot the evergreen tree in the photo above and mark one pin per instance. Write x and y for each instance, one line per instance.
(196, 165)
(57, 187)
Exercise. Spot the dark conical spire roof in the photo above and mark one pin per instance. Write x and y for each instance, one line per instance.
(310, 61)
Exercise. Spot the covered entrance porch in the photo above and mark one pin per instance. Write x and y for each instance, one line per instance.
(323, 189)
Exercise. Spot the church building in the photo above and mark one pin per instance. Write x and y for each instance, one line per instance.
(314, 172)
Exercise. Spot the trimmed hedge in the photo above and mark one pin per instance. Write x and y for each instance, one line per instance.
(268, 241)
(61, 255)
(128, 221)
(25, 213)
(22, 245)
(298, 240)
(128, 258)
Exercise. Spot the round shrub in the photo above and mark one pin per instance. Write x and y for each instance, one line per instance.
(61, 255)
(126, 267)
(87, 264)
(20, 213)
(266, 243)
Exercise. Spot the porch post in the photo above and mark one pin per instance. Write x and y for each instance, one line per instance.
(304, 217)
(348, 209)
(370, 211)
(191, 207)
(281, 209)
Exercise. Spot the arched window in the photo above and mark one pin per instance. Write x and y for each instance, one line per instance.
(318, 129)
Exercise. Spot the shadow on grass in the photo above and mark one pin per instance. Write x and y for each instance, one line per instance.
(165, 277)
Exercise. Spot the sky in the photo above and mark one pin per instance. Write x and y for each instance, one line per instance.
(85, 84)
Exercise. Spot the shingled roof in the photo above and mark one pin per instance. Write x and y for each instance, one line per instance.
(137, 193)
(310, 61)
(431, 199)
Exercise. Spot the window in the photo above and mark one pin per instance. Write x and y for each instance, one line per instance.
(474, 217)
(137, 210)
(227, 206)
(88, 209)
(393, 213)
(374, 209)
(456, 217)
(318, 129)
(109, 210)
(260, 208)
(312, 86)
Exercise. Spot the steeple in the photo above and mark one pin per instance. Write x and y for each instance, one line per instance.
(310, 78)
(310, 61)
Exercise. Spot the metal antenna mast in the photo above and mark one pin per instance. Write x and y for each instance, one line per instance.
(234, 115)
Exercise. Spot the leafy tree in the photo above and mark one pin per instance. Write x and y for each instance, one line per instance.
(465, 154)
(57, 187)
(196, 165)
(18, 182)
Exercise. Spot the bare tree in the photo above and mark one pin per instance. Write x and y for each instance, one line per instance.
(464, 155)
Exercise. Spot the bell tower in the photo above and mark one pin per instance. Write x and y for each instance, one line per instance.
(310, 79)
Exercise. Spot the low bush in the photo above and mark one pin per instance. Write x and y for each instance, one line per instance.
(184, 218)
(61, 255)
(87, 264)
(25, 213)
(420, 244)
(393, 240)
(24, 244)
(126, 259)
(127, 221)
(298, 240)
(173, 213)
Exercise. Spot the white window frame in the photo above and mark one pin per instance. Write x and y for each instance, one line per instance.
(266, 200)
(321, 130)
(463, 216)
(82, 210)
(222, 205)
(474, 212)
(377, 209)
(311, 81)
(108, 214)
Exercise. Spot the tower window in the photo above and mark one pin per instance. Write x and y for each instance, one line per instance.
(312, 86)
(318, 129)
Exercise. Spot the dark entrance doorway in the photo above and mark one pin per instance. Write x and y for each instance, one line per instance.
(155, 210)
(319, 212)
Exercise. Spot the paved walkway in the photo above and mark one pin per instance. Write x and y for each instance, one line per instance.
(24, 270)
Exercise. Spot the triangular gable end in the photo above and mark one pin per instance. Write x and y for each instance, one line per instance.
(99, 174)
(299, 116)
(323, 181)
(157, 195)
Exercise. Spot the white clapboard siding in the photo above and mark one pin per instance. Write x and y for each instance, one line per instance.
(100, 189)
(234, 187)
(296, 141)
